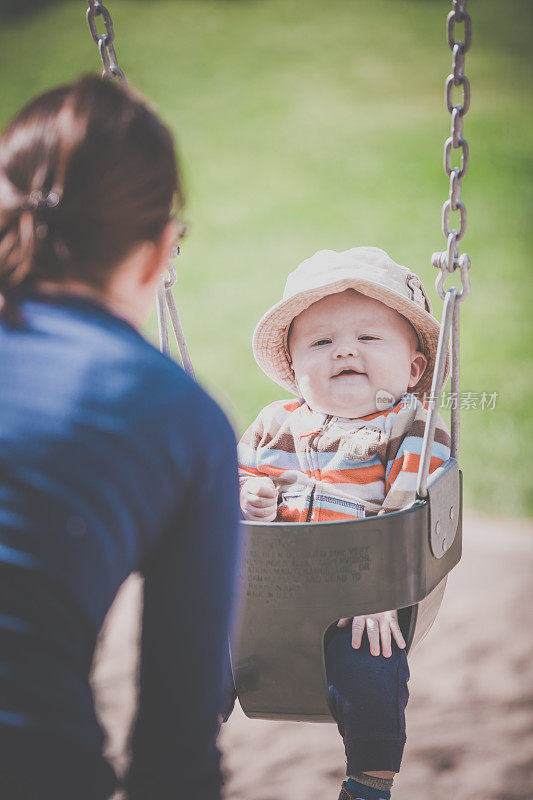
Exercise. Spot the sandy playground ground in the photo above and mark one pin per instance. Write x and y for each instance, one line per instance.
(469, 719)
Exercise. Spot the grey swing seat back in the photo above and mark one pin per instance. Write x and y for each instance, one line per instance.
(296, 580)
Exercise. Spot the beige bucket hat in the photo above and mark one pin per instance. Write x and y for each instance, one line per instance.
(368, 270)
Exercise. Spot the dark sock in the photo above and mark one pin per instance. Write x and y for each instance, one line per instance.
(362, 792)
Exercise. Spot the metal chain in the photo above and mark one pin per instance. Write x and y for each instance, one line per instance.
(105, 40)
(449, 260)
(166, 305)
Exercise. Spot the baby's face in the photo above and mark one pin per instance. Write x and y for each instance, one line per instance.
(346, 348)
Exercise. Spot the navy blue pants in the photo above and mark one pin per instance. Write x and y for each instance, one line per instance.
(369, 694)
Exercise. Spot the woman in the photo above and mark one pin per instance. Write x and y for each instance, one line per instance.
(111, 458)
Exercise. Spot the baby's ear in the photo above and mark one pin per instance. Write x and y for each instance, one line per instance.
(289, 362)
(418, 367)
(295, 381)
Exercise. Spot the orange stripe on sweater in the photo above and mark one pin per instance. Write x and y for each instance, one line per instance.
(318, 515)
(376, 414)
(360, 476)
(291, 514)
(292, 405)
(260, 473)
(327, 515)
(409, 462)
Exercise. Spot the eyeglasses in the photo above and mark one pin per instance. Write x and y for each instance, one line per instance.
(182, 230)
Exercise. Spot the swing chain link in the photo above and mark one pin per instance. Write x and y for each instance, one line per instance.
(105, 40)
(449, 260)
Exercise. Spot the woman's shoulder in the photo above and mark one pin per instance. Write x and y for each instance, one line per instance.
(163, 392)
(88, 361)
(159, 391)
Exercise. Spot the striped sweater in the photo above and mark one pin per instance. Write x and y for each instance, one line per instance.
(344, 468)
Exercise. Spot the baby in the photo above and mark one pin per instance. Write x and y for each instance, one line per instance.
(355, 340)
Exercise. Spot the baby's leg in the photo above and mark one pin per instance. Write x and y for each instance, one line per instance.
(369, 695)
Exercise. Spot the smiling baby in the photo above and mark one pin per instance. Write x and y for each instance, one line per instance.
(354, 339)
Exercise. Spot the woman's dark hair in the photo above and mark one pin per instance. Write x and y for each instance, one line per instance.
(87, 171)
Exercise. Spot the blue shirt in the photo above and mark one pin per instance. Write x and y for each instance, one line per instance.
(111, 460)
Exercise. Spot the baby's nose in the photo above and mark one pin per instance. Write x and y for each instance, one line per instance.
(345, 349)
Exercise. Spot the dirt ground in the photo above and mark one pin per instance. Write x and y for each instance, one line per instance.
(469, 719)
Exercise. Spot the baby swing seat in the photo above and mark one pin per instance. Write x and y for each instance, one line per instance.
(298, 579)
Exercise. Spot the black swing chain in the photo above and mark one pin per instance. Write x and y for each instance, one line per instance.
(105, 40)
(449, 260)
(164, 298)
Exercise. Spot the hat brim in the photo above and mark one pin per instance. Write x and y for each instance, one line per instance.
(270, 345)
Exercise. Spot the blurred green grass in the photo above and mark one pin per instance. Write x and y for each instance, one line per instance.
(304, 125)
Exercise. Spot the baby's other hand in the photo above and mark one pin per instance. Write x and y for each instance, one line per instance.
(378, 626)
(259, 500)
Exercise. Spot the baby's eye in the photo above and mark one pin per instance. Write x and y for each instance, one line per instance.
(321, 342)
(366, 337)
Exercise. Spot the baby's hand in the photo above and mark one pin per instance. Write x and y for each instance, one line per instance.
(383, 624)
(259, 500)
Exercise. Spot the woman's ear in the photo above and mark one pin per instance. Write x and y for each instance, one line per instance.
(159, 253)
(418, 367)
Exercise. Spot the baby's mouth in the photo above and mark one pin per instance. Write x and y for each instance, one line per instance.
(346, 372)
